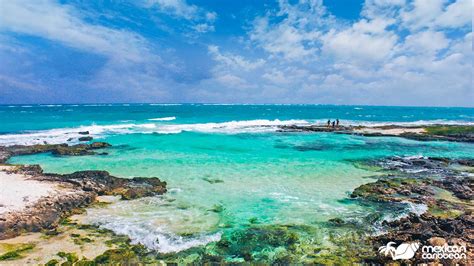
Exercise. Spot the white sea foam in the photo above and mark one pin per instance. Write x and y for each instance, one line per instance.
(61, 135)
(50, 105)
(232, 127)
(156, 238)
(169, 118)
(157, 223)
(165, 104)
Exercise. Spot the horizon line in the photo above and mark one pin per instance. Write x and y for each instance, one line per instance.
(217, 103)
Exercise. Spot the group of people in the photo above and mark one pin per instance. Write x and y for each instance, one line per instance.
(333, 123)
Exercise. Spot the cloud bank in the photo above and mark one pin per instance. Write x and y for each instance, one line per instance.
(395, 52)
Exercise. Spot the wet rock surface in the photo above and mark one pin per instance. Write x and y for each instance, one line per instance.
(85, 138)
(428, 133)
(437, 183)
(56, 149)
(80, 190)
(101, 182)
(45, 214)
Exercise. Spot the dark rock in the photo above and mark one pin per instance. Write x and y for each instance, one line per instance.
(99, 145)
(83, 133)
(465, 136)
(336, 221)
(44, 214)
(55, 149)
(102, 183)
(75, 150)
(85, 138)
(82, 188)
(446, 221)
(462, 187)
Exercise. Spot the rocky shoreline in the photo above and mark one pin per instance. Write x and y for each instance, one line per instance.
(78, 189)
(445, 186)
(420, 133)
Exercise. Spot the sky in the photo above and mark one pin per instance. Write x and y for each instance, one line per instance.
(374, 52)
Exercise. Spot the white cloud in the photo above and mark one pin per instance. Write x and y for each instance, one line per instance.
(204, 27)
(211, 16)
(396, 53)
(456, 14)
(231, 61)
(428, 42)
(200, 19)
(176, 7)
(437, 14)
(295, 37)
(50, 20)
(357, 46)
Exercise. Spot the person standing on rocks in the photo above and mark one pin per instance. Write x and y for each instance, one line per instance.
(337, 122)
(329, 123)
(333, 124)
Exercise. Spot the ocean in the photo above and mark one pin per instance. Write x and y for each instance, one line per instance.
(228, 166)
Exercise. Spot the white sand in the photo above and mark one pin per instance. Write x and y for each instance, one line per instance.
(17, 191)
(392, 131)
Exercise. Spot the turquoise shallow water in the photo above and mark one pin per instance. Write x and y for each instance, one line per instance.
(226, 166)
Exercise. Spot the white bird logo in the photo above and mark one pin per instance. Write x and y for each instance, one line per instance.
(403, 252)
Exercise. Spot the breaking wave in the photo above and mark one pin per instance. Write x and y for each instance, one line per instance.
(156, 238)
(169, 118)
(62, 135)
(157, 223)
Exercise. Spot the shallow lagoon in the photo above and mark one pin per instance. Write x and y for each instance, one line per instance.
(233, 180)
(222, 183)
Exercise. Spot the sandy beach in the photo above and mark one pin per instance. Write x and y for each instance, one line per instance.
(390, 131)
(17, 191)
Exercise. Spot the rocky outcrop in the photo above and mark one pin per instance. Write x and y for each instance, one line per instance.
(420, 133)
(45, 214)
(315, 128)
(55, 149)
(430, 230)
(79, 189)
(422, 180)
(101, 182)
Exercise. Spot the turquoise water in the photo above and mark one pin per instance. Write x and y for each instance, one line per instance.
(226, 166)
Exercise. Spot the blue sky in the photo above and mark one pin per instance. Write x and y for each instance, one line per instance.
(377, 52)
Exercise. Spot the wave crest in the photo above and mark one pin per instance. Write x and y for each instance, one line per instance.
(169, 118)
